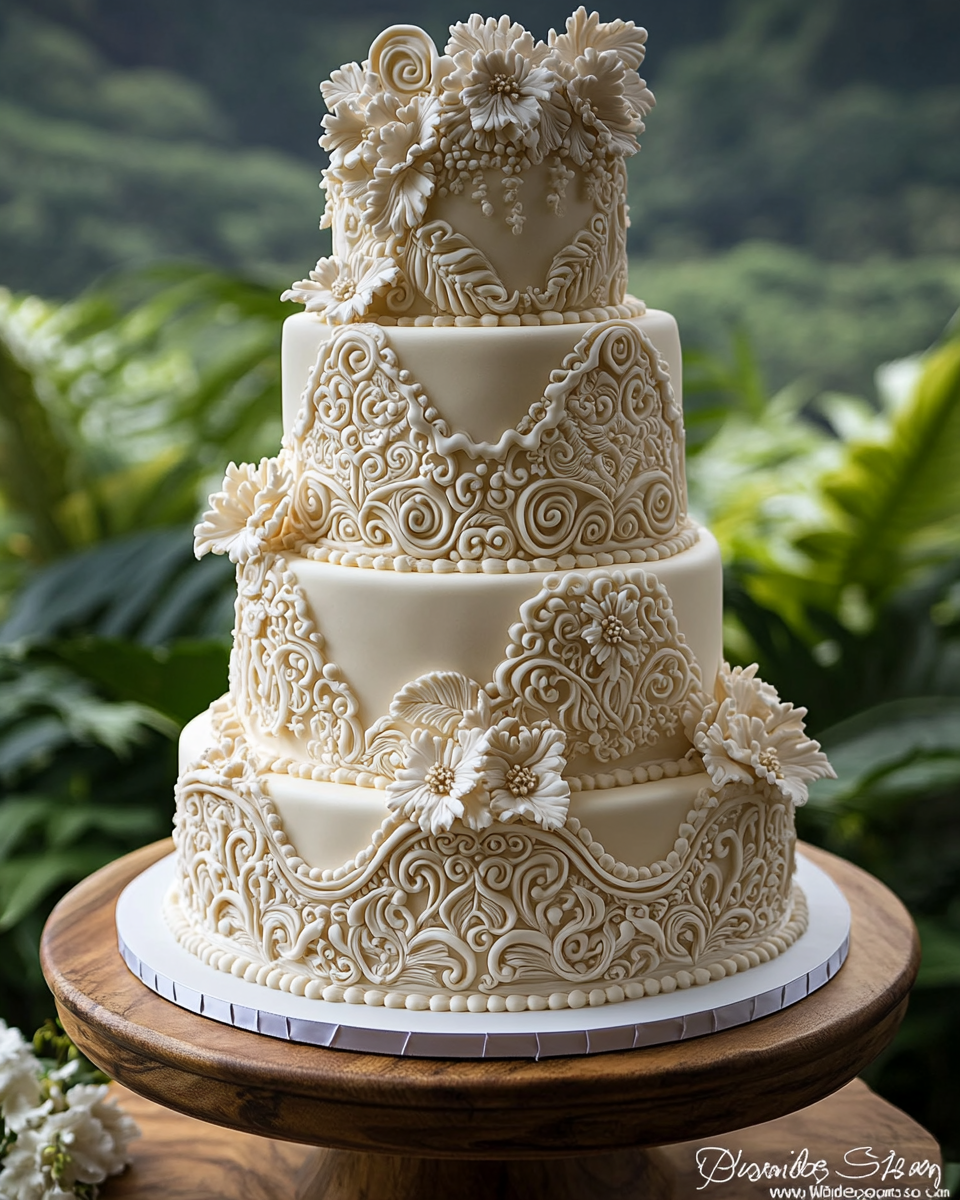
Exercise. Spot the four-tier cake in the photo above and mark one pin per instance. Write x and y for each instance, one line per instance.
(480, 750)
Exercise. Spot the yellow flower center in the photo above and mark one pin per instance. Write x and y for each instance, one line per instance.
(440, 779)
(521, 780)
(769, 761)
(505, 85)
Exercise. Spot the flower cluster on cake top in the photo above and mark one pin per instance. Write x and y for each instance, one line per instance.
(410, 124)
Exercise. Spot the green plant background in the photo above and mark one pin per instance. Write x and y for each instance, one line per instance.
(796, 204)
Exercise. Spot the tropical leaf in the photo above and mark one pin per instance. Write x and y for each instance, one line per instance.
(165, 592)
(437, 701)
(19, 816)
(453, 274)
(28, 880)
(178, 680)
(877, 741)
(897, 496)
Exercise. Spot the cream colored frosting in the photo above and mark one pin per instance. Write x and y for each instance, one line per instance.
(480, 750)
(483, 379)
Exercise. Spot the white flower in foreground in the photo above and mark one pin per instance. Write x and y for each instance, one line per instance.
(747, 734)
(522, 770)
(19, 1072)
(613, 632)
(437, 775)
(341, 291)
(248, 514)
(85, 1142)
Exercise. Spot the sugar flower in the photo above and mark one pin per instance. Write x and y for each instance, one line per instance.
(404, 178)
(437, 775)
(585, 32)
(353, 129)
(476, 34)
(597, 95)
(613, 630)
(247, 516)
(522, 770)
(747, 734)
(503, 92)
(340, 291)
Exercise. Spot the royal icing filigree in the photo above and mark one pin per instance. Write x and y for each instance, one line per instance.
(410, 128)
(594, 467)
(746, 734)
(525, 911)
(596, 668)
(604, 657)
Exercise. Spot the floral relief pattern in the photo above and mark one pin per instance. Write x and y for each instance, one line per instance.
(410, 125)
(596, 466)
(595, 667)
(604, 657)
(509, 909)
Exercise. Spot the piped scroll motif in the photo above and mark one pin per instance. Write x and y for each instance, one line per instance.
(594, 467)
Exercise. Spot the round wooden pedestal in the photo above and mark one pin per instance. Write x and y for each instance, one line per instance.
(563, 1127)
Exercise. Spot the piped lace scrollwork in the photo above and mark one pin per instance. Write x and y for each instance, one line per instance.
(508, 916)
(595, 466)
(597, 657)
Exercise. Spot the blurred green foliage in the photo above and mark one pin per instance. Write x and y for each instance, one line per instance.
(134, 133)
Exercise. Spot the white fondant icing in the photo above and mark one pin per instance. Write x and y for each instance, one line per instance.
(505, 767)
(484, 379)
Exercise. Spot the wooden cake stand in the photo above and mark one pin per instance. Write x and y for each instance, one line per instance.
(418, 1129)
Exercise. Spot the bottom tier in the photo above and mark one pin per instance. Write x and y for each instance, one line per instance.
(691, 882)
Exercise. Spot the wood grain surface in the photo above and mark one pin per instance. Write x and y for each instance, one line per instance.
(478, 1109)
(180, 1158)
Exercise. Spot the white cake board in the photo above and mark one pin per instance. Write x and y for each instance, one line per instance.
(153, 954)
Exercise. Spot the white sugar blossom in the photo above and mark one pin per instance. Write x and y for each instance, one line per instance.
(19, 1072)
(341, 291)
(479, 35)
(586, 31)
(437, 775)
(522, 770)
(597, 95)
(404, 177)
(503, 93)
(747, 734)
(350, 82)
(352, 136)
(80, 1138)
(248, 514)
(613, 632)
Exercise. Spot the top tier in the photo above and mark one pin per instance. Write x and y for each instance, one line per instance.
(485, 182)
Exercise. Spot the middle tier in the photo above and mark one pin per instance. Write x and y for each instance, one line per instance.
(463, 445)
(328, 658)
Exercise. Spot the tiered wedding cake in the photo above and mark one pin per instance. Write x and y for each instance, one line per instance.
(480, 750)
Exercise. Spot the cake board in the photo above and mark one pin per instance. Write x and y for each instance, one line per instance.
(419, 1112)
(153, 954)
